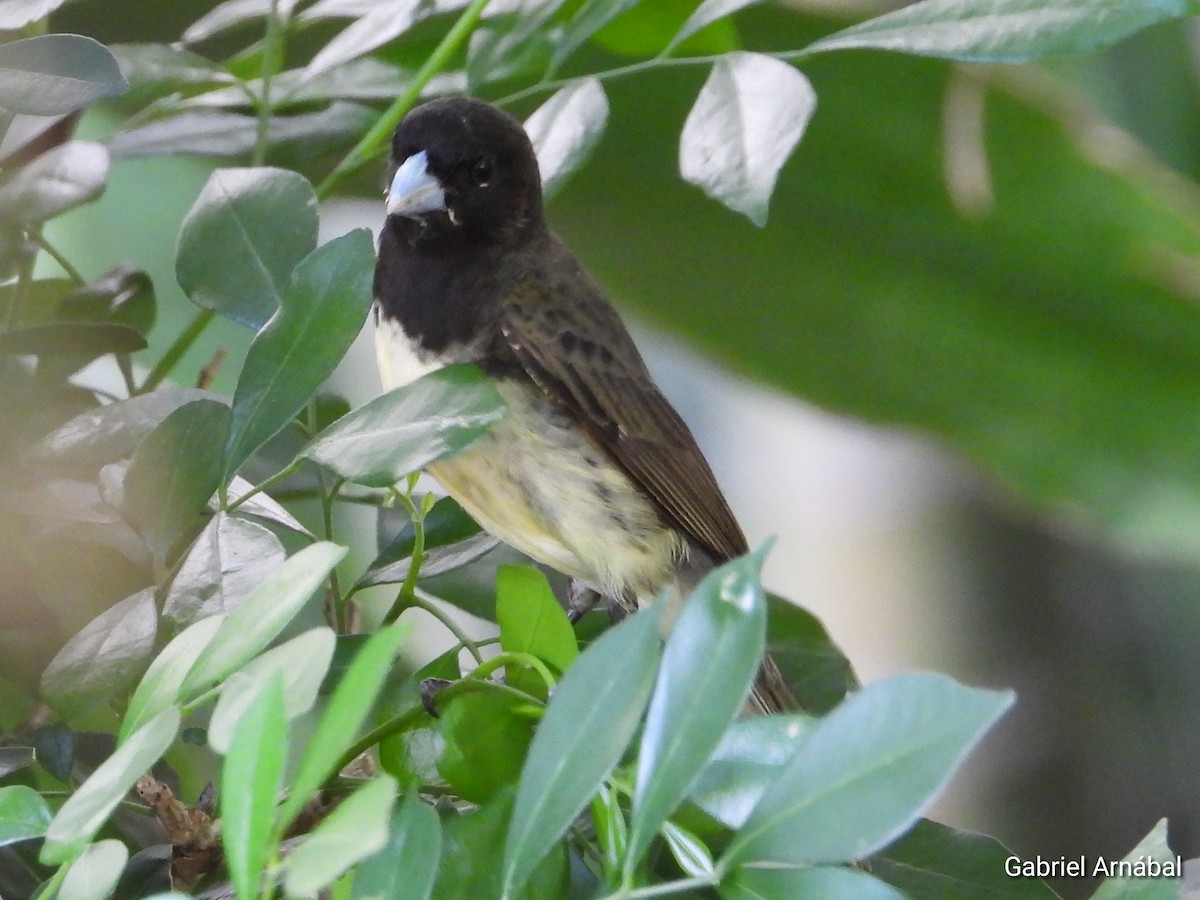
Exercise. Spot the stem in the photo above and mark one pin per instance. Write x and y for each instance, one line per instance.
(53, 252)
(421, 603)
(407, 596)
(286, 472)
(340, 617)
(372, 143)
(176, 351)
(519, 659)
(24, 277)
(662, 890)
(272, 58)
(645, 65)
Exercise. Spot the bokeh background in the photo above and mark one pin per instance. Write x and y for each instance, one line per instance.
(950, 377)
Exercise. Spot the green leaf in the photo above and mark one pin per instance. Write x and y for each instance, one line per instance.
(300, 663)
(566, 129)
(357, 828)
(95, 872)
(250, 780)
(746, 121)
(239, 243)
(54, 748)
(54, 74)
(781, 883)
(472, 847)
(225, 15)
(446, 524)
(406, 429)
(86, 810)
(58, 180)
(13, 759)
(749, 757)
(228, 560)
(113, 432)
(1007, 31)
(709, 663)
(690, 853)
(934, 860)
(705, 14)
(486, 739)
(121, 296)
(532, 621)
(24, 815)
(592, 16)
(587, 726)
(1144, 882)
(83, 339)
(162, 684)
(347, 710)
(165, 68)
(104, 658)
(404, 868)
(382, 24)
(323, 310)
(258, 621)
(866, 771)
(817, 672)
(174, 472)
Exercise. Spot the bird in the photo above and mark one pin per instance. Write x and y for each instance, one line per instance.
(591, 471)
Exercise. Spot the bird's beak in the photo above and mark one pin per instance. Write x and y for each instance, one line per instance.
(414, 190)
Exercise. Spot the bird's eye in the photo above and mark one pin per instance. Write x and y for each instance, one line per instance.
(482, 172)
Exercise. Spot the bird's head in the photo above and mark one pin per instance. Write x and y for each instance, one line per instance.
(461, 169)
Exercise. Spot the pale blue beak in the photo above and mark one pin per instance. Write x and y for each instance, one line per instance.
(414, 190)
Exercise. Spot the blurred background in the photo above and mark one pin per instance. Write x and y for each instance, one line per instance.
(955, 376)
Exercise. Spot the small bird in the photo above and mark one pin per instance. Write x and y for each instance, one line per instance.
(591, 471)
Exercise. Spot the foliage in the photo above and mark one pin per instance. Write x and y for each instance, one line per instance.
(213, 637)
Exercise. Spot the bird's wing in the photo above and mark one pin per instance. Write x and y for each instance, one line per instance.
(578, 351)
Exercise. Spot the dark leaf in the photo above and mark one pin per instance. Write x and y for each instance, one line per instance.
(85, 340)
(55, 748)
(148, 873)
(122, 296)
(446, 523)
(323, 309)
(103, 659)
(814, 668)
(934, 860)
(592, 16)
(1153, 847)
(54, 74)
(174, 472)
(13, 759)
(410, 427)
(239, 243)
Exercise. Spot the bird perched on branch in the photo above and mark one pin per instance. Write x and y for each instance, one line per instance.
(591, 471)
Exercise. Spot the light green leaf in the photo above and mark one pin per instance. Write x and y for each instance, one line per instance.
(566, 129)
(404, 868)
(104, 658)
(410, 427)
(783, 883)
(587, 726)
(323, 310)
(1144, 883)
(228, 560)
(706, 13)
(59, 180)
(709, 663)
(239, 243)
(54, 74)
(748, 117)
(532, 621)
(258, 621)
(250, 782)
(23, 814)
(345, 713)
(692, 856)
(486, 737)
(16, 14)
(95, 872)
(865, 773)
(301, 663)
(1004, 30)
(357, 828)
(174, 472)
(225, 15)
(162, 684)
(86, 810)
(384, 23)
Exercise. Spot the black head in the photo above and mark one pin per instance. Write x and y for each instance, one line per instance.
(461, 169)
